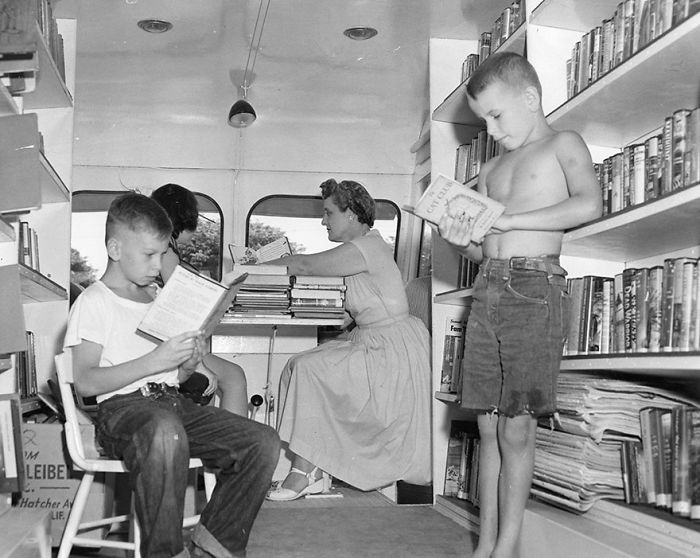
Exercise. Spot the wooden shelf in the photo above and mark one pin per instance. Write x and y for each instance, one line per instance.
(683, 365)
(278, 320)
(459, 297)
(455, 108)
(30, 404)
(461, 511)
(447, 397)
(7, 103)
(53, 189)
(51, 90)
(7, 233)
(37, 287)
(649, 229)
(635, 97)
(572, 14)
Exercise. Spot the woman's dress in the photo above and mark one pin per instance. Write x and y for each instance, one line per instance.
(360, 408)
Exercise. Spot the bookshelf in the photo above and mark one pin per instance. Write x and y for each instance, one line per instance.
(610, 113)
(35, 187)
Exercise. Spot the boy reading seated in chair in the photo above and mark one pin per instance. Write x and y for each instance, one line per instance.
(143, 419)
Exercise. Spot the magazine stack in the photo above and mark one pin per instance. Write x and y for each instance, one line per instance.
(317, 297)
(264, 293)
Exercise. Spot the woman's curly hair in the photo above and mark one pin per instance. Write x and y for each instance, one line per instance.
(352, 195)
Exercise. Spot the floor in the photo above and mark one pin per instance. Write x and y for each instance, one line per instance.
(345, 523)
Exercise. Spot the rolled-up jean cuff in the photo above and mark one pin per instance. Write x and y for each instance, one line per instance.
(206, 541)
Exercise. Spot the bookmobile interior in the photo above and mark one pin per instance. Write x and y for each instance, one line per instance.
(99, 105)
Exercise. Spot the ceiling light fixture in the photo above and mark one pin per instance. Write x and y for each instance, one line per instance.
(155, 25)
(360, 33)
(242, 114)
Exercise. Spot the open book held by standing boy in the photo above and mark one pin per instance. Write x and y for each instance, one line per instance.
(519, 312)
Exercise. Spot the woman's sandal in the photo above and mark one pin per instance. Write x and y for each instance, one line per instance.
(314, 486)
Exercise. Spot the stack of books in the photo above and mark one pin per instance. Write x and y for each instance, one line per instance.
(264, 293)
(317, 297)
(580, 457)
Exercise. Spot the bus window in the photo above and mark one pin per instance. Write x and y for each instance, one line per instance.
(89, 258)
(299, 219)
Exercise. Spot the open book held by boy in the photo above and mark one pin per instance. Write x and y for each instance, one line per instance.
(545, 180)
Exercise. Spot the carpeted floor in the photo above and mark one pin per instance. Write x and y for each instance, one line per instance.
(357, 532)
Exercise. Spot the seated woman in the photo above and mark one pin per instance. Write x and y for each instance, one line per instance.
(357, 409)
(217, 375)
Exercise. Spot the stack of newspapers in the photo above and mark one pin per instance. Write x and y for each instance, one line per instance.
(317, 297)
(578, 455)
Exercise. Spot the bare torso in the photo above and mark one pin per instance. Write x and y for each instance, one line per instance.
(526, 179)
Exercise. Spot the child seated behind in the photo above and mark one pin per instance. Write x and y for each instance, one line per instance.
(142, 419)
(519, 312)
(215, 374)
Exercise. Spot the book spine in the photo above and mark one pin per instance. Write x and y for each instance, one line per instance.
(649, 457)
(693, 155)
(653, 177)
(638, 185)
(667, 156)
(642, 314)
(679, 134)
(666, 339)
(689, 272)
(680, 499)
(606, 316)
(694, 461)
(453, 331)
(655, 294)
(630, 309)
(595, 320)
(678, 307)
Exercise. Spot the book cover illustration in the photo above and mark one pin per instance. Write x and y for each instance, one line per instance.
(276, 249)
(444, 192)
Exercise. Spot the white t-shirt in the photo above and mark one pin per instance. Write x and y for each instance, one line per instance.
(103, 317)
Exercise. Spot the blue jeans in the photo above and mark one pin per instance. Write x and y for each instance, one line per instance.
(156, 435)
(514, 338)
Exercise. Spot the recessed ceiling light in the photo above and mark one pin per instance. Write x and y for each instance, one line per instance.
(155, 25)
(360, 33)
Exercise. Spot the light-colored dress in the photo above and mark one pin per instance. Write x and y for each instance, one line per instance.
(360, 408)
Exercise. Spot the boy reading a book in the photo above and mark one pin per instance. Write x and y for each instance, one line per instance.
(519, 312)
(142, 418)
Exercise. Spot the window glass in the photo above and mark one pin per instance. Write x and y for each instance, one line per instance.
(299, 219)
(88, 254)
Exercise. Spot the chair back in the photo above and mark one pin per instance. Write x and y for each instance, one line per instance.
(79, 428)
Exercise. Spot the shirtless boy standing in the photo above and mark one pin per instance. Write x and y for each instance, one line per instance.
(518, 318)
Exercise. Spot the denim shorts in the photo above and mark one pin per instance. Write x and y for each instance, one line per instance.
(515, 335)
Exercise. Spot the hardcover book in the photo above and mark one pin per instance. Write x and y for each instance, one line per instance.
(189, 301)
(276, 249)
(443, 192)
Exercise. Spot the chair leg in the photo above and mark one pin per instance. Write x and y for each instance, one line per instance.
(76, 514)
(209, 484)
(135, 529)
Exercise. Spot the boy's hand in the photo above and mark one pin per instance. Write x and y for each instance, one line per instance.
(502, 224)
(456, 227)
(178, 350)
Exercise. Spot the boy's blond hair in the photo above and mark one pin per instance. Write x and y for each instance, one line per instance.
(137, 212)
(508, 67)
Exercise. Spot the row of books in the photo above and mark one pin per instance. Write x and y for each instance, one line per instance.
(462, 465)
(663, 467)
(580, 455)
(269, 290)
(659, 165)
(640, 310)
(26, 369)
(633, 25)
(452, 356)
(470, 156)
(466, 273)
(503, 27)
(27, 246)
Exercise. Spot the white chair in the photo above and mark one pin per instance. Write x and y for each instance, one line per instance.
(79, 433)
